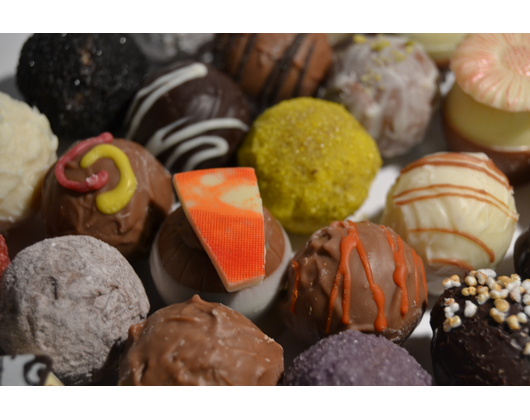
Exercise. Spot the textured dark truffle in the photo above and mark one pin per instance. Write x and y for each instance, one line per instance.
(352, 358)
(81, 82)
(521, 254)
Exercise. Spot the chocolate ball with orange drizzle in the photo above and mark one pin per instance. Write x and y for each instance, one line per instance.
(359, 276)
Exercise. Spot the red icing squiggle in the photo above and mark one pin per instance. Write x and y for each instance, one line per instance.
(92, 183)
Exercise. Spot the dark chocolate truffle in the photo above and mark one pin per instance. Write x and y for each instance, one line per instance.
(190, 116)
(481, 330)
(359, 276)
(83, 83)
(274, 67)
(132, 228)
(352, 358)
(521, 254)
(199, 343)
(74, 299)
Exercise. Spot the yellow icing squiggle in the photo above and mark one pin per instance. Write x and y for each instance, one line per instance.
(113, 201)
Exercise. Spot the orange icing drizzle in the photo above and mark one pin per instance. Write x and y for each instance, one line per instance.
(400, 272)
(294, 298)
(418, 262)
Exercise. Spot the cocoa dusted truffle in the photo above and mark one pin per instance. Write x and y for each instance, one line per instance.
(83, 83)
(199, 343)
(274, 67)
(111, 189)
(190, 116)
(72, 298)
(481, 330)
(359, 276)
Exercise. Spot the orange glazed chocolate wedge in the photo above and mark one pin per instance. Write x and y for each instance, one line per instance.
(224, 207)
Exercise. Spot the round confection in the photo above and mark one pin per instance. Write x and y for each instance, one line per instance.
(190, 116)
(438, 46)
(131, 229)
(27, 150)
(456, 210)
(390, 85)
(488, 108)
(274, 67)
(81, 82)
(4, 255)
(162, 48)
(314, 162)
(358, 276)
(72, 298)
(521, 254)
(199, 343)
(181, 267)
(481, 330)
(352, 358)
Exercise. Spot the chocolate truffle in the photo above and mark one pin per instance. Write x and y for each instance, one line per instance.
(488, 107)
(313, 160)
(162, 48)
(181, 267)
(83, 83)
(199, 343)
(521, 254)
(72, 298)
(274, 67)
(358, 276)
(390, 85)
(352, 358)
(190, 116)
(456, 210)
(481, 330)
(131, 229)
(27, 150)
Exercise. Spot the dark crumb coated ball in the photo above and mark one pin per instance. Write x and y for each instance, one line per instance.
(481, 331)
(83, 83)
(353, 358)
(521, 254)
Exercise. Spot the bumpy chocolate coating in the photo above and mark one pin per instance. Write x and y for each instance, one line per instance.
(521, 254)
(83, 83)
(199, 343)
(132, 229)
(481, 349)
(352, 358)
(74, 299)
(190, 116)
(326, 260)
(274, 67)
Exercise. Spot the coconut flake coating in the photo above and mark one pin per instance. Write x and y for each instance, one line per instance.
(352, 358)
(74, 299)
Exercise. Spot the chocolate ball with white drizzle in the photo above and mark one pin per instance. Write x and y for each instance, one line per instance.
(190, 116)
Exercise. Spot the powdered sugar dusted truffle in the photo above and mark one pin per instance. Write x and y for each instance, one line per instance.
(72, 298)
(27, 150)
(456, 210)
(390, 85)
(352, 358)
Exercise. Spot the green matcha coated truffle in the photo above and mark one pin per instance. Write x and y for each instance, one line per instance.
(313, 160)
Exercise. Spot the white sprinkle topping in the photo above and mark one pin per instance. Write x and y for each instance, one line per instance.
(488, 272)
(470, 281)
(526, 299)
(471, 309)
(526, 285)
(483, 297)
(526, 350)
(522, 318)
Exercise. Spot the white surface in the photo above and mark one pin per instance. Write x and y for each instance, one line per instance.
(418, 343)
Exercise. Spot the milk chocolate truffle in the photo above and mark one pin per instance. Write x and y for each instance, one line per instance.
(181, 267)
(27, 150)
(72, 298)
(124, 211)
(390, 85)
(358, 276)
(199, 343)
(83, 83)
(190, 116)
(273, 67)
(488, 107)
(352, 358)
(456, 210)
(481, 330)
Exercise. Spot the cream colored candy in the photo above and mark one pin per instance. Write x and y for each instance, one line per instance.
(456, 210)
(438, 46)
(27, 150)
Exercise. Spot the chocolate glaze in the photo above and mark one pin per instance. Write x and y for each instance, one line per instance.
(358, 276)
(199, 343)
(132, 229)
(274, 67)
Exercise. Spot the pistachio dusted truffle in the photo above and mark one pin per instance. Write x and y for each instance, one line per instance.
(313, 160)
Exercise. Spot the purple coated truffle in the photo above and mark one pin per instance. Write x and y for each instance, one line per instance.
(352, 358)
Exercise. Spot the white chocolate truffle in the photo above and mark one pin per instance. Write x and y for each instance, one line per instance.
(27, 150)
(390, 85)
(456, 210)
